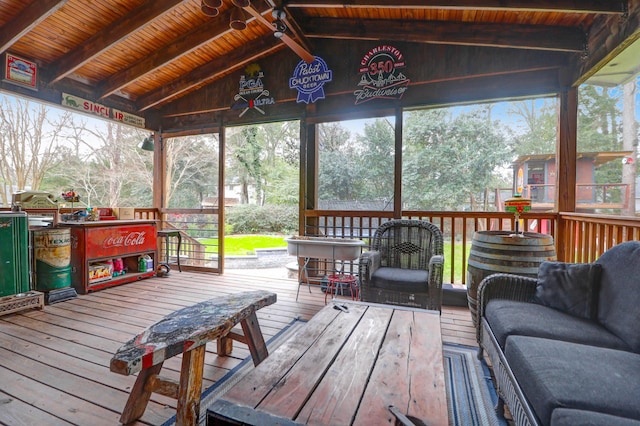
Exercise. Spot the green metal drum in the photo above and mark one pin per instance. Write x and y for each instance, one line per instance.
(52, 253)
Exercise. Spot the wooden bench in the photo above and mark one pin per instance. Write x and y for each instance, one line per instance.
(186, 332)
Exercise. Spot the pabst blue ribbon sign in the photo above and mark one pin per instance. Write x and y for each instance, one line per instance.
(251, 94)
(381, 77)
(309, 80)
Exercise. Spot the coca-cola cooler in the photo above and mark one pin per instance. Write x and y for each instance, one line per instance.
(96, 247)
(14, 253)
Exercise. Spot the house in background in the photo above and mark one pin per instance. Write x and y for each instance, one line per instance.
(539, 181)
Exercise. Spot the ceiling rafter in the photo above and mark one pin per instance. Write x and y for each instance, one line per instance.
(438, 32)
(587, 6)
(27, 19)
(213, 29)
(213, 70)
(105, 39)
(196, 38)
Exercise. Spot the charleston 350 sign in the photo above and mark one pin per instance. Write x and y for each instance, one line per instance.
(381, 77)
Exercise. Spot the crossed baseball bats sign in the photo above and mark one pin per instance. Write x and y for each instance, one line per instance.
(251, 102)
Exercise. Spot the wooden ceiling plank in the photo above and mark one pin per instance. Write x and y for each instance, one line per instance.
(238, 58)
(26, 20)
(536, 37)
(570, 6)
(104, 40)
(213, 29)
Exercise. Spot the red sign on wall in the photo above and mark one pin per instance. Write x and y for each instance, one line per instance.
(118, 241)
(20, 71)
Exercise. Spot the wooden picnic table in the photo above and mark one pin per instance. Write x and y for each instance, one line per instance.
(346, 367)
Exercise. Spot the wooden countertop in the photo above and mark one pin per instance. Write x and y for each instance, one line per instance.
(96, 223)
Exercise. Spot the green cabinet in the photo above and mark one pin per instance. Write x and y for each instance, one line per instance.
(14, 253)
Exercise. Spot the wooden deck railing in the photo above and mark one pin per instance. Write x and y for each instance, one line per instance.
(586, 235)
(457, 227)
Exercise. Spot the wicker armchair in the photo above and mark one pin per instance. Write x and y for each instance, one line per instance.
(403, 265)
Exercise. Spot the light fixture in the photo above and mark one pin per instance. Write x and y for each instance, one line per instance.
(211, 12)
(237, 19)
(213, 4)
(280, 26)
(241, 3)
(147, 143)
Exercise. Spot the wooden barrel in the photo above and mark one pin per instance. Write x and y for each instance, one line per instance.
(504, 252)
(52, 249)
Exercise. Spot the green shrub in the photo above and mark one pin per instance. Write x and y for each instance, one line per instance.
(253, 219)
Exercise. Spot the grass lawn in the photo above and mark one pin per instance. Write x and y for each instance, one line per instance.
(244, 245)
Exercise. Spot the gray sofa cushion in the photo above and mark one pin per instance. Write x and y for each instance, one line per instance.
(569, 287)
(403, 280)
(555, 374)
(507, 317)
(570, 417)
(619, 300)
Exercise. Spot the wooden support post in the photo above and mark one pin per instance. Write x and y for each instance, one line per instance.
(190, 387)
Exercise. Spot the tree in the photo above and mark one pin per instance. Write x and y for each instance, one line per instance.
(191, 170)
(376, 152)
(103, 164)
(540, 123)
(28, 144)
(245, 161)
(280, 177)
(630, 142)
(449, 160)
(337, 171)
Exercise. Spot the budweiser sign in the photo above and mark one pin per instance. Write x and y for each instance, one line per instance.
(381, 75)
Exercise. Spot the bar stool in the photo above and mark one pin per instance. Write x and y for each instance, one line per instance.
(340, 281)
(166, 234)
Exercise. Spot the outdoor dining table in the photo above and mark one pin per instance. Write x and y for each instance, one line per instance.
(352, 363)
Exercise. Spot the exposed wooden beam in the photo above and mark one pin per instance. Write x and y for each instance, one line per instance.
(211, 71)
(436, 32)
(198, 37)
(211, 30)
(117, 31)
(26, 20)
(587, 6)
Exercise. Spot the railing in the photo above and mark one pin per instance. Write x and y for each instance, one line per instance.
(584, 236)
(457, 227)
(199, 230)
(588, 195)
(588, 236)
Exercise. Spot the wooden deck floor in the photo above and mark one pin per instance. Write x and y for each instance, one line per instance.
(54, 363)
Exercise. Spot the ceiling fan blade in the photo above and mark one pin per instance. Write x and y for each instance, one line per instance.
(299, 50)
(293, 45)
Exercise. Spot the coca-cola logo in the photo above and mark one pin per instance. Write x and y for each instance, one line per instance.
(124, 240)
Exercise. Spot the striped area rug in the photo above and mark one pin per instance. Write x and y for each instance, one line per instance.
(471, 396)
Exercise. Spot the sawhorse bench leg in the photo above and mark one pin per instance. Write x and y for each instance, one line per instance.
(252, 337)
(187, 332)
(188, 390)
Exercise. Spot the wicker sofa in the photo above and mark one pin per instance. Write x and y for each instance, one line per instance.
(404, 265)
(565, 347)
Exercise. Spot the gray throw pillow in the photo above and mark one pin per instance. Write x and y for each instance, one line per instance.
(569, 287)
